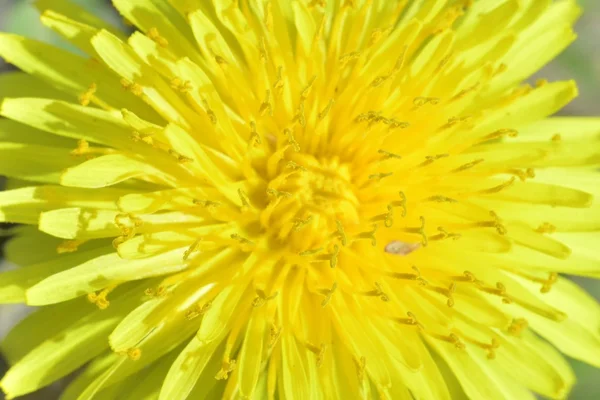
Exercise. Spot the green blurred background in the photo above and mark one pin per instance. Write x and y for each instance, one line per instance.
(580, 62)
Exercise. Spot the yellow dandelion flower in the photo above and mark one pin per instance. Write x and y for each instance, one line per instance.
(299, 199)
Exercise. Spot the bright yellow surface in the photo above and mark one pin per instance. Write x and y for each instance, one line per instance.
(299, 199)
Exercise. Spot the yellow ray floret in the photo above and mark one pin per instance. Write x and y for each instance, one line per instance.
(304, 199)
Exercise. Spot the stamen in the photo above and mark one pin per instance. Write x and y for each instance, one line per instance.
(490, 348)
(421, 101)
(556, 138)
(465, 92)
(380, 176)
(331, 257)
(99, 299)
(300, 116)
(387, 218)
(546, 227)
(377, 292)
(181, 85)
(198, 311)
(517, 326)
(360, 367)
(274, 335)
(242, 240)
(144, 137)
(440, 199)
(420, 230)
(244, 199)
(393, 123)
(180, 157)
(255, 139)
(346, 58)
(369, 235)
(300, 223)
(319, 351)
(455, 121)
(451, 338)
(69, 246)
(387, 155)
(447, 292)
(445, 235)
(291, 140)
(211, 205)
(295, 166)
(522, 175)
(161, 291)
(326, 110)
(262, 298)
(501, 133)
(328, 293)
(278, 84)
(83, 147)
(467, 277)
(133, 353)
(191, 249)
(311, 252)
(226, 368)
(411, 320)
(265, 106)
(209, 112)
(498, 188)
(268, 21)
(133, 87)
(468, 165)
(431, 159)
(341, 233)
(156, 37)
(401, 203)
(86, 98)
(306, 91)
(278, 194)
(411, 277)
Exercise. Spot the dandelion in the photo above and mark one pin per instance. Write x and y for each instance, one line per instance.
(304, 199)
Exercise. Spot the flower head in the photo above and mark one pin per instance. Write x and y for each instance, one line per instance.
(299, 199)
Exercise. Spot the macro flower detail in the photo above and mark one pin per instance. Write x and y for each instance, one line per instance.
(298, 199)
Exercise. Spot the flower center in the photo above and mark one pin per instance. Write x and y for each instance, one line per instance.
(309, 200)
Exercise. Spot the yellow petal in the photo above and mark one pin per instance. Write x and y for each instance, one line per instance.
(79, 223)
(578, 335)
(76, 32)
(541, 193)
(121, 58)
(146, 384)
(68, 349)
(12, 131)
(69, 73)
(540, 42)
(74, 121)
(25, 205)
(296, 384)
(20, 84)
(251, 353)
(101, 272)
(535, 364)
(169, 24)
(186, 370)
(15, 283)
(33, 162)
(18, 249)
(106, 171)
(24, 336)
(75, 12)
